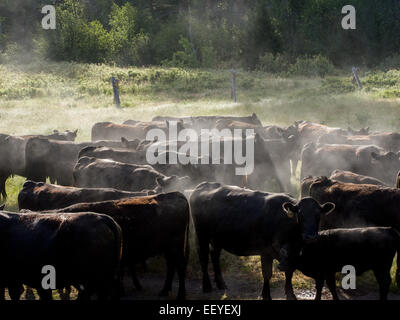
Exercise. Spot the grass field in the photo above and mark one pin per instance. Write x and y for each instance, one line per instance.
(40, 97)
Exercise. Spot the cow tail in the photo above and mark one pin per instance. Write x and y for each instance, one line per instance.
(118, 253)
(398, 258)
(186, 249)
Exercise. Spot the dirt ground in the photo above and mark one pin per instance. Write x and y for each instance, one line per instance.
(238, 289)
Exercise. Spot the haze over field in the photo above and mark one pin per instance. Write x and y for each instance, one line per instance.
(292, 58)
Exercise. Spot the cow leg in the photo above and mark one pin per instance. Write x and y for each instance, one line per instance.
(294, 166)
(15, 291)
(121, 279)
(65, 293)
(331, 283)
(170, 275)
(182, 279)
(85, 293)
(45, 295)
(204, 250)
(181, 268)
(383, 278)
(215, 253)
(266, 266)
(319, 284)
(288, 286)
(29, 295)
(3, 179)
(135, 279)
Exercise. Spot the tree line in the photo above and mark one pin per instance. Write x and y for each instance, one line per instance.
(203, 33)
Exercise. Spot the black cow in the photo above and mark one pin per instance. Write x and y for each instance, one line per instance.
(12, 154)
(69, 243)
(56, 159)
(104, 173)
(246, 222)
(365, 249)
(151, 226)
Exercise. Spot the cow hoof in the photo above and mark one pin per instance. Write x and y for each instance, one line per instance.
(207, 289)
(181, 297)
(164, 293)
(291, 296)
(138, 287)
(221, 286)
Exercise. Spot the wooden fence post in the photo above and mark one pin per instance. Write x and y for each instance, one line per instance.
(233, 78)
(115, 84)
(356, 78)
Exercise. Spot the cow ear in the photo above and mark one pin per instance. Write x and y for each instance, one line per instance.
(2, 207)
(55, 131)
(327, 208)
(76, 132)
(375, 156)
(135, 143)
(291, 138)
(124, 141)
(160, 181)
(290, 209)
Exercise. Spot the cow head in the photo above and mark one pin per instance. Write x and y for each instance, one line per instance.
(255, 119)
(71, 135)
(308, 213)
(305, 186)
(361, 132)
(172, 183)
(386, 166)
(130, 144)
(304, 218)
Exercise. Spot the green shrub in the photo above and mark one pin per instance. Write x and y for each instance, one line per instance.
(312, 66)
(127, 42)
(303, 66)
(183, 58)
(165, 42)
(208, 56)
(392, 62)
(278, 64)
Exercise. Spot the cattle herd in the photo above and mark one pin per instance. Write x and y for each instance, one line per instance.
(106, 210)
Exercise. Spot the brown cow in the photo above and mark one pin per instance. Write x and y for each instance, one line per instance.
(39, 196)
(139, 130)
(338, 175)
(310, 132)
(351, 177)
(318, 160)
(357, 205)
